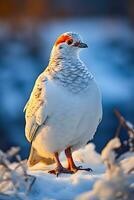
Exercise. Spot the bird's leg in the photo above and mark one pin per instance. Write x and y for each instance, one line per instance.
(71, 165)
(59, 168)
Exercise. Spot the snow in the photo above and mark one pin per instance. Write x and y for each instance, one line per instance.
(111, 67)
(127, 162)
(63, 187)
(117, 183)
(107, 182)
(108, 155)
(68, 186)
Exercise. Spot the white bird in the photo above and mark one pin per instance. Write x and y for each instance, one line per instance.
(65, 107)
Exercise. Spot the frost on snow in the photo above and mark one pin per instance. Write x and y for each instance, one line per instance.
(117, 183)
(112, 177)
(13, 176)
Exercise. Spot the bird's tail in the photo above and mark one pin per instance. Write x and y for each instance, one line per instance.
(34, 158)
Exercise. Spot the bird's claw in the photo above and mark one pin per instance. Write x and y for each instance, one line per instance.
(85, 169)
(60, 170)
(75, 169)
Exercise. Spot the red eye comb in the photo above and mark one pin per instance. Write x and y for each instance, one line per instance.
(62, 39)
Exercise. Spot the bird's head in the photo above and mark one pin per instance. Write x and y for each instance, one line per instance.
(70, 41)
(68, 44)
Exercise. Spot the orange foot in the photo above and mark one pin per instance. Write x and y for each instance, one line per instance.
(59, 170)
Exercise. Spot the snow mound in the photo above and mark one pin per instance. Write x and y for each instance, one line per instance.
(111, 179)
(68, 187)
(117, 183)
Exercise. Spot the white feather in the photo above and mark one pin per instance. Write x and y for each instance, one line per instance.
(65, 106)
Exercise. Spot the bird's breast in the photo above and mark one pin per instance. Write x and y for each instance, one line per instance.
(72, 118)
(66, 105)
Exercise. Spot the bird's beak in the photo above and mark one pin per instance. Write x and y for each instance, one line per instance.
(80, 45)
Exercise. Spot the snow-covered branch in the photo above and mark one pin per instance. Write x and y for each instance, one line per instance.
(13, 176)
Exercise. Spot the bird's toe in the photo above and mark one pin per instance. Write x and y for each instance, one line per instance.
(59, 170)
(77, 168)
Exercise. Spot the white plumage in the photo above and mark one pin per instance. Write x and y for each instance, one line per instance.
(65, 106)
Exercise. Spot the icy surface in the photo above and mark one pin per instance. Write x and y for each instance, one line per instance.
(113, 180)
(68, 186)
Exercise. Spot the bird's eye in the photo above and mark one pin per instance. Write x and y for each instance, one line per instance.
(69, 42)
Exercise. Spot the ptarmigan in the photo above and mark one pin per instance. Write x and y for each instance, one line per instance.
(64, 108)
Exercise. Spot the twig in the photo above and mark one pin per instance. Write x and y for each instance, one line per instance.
(117, 133)
(33, 179)
(131, 170)
(122, 121)
(127, 126)
(13, 176)
(26, 176)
